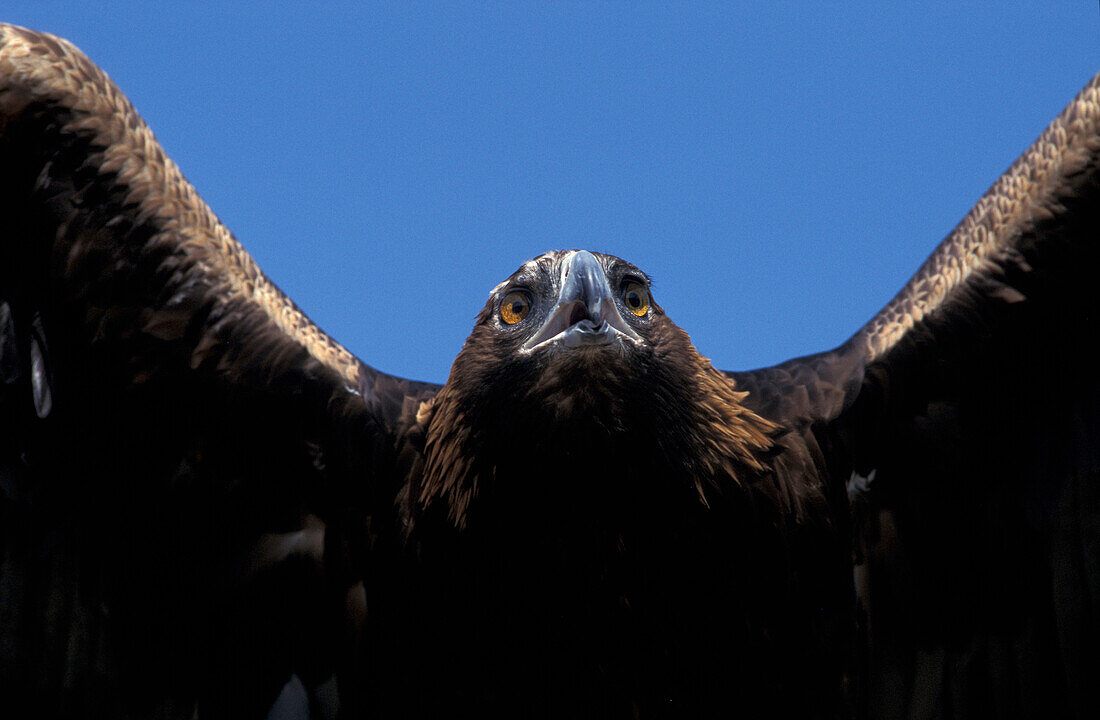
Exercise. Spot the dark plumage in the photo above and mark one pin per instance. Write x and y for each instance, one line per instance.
(577, 519)
(204, 494)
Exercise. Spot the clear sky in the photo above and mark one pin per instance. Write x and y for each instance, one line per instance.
(780, 168)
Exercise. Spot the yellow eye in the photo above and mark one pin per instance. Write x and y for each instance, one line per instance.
(514, 307)
(636, 298)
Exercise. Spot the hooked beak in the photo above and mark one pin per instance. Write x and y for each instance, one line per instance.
(585, 314)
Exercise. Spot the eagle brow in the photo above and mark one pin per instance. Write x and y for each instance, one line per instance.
(632, 272)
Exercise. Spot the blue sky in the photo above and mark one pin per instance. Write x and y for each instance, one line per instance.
(780, 168)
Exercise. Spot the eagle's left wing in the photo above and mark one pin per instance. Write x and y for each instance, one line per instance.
(965, 420)
(175, 434)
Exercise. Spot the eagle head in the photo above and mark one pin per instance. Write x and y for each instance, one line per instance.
(566, 334)
(572, 363)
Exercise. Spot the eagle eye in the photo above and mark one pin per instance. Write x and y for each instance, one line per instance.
(514, 307)
(636, 298)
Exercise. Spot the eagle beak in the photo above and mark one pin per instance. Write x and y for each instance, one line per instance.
(585, 314)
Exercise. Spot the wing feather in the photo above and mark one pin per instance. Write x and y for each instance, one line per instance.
(959, 428)
(1008, 234)
(1000, 231)
(201, 432)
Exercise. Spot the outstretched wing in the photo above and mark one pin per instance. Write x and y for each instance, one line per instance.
(965, 419)
(174, 432)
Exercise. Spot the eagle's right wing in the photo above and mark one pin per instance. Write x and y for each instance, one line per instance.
(175, 434)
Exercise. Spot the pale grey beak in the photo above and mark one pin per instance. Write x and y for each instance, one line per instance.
(585, 313)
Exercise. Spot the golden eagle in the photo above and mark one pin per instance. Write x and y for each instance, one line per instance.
(205, 497)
